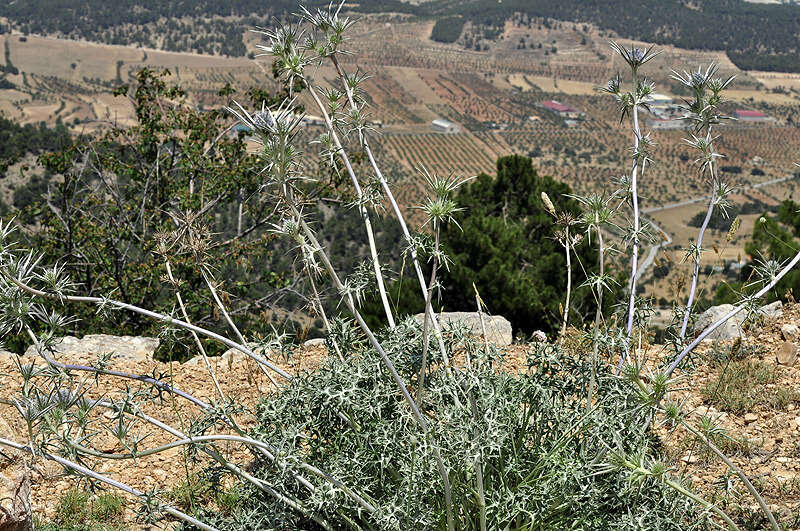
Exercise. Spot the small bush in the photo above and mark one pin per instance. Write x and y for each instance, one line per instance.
(536, 459)
(78, 510)
(736, 388)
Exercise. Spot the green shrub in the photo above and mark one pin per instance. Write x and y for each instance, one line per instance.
(536, 455)
(737, 386)
(79, 510)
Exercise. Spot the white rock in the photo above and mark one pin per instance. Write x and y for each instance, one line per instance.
(316, 342)
(790, 331)
(229, 359)
(773, 310)
(15, 487)
(90, 347)
(731, 329)
(498, 328)
(750, 418)
(15, 498)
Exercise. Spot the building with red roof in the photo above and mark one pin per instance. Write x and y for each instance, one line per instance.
(562, 109)
(746, 115)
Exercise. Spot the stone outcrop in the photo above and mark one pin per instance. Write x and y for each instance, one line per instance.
(731, 329)
(229, 358)
(90, 347)
(15, 487)
(498, 328)
(790, 331)
(787, 353)
(773, 310)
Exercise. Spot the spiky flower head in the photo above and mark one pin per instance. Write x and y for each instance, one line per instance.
(548, 204)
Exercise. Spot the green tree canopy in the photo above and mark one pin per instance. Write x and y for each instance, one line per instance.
(506, 246)
(774, 238)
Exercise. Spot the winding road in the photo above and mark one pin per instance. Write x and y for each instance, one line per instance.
(652, 252)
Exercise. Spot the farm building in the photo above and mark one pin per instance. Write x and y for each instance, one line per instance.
(444, 126)
(666, 123)
(745, 115)
(660, 100)
(310, 119)
(562, 109)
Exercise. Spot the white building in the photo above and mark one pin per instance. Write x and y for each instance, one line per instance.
(444, 126)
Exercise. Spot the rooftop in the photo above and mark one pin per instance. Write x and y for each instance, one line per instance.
(749, 114)
(557, 106)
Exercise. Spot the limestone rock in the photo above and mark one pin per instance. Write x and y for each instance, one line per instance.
(498, 328)
(229, 359)
(773, 310)
(787, 353)
(749, 418)
(731, 329)
(316, 342)
(15, 487)
(90, 347)
(790, 331)
(15, 498)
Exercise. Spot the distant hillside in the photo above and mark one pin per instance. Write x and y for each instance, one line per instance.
(756, 36)
(182, 25)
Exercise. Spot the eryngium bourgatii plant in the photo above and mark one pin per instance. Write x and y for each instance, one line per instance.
(383, 435)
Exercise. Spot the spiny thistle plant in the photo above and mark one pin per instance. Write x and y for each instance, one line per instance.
(385, 434)
(702, 112)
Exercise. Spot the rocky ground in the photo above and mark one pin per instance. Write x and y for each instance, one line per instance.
(750, 388)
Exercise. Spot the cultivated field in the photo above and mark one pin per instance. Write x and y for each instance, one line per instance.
(491, 94)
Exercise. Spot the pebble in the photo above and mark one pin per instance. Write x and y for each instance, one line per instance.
(750, 418)
(787, 353)
(790, 331)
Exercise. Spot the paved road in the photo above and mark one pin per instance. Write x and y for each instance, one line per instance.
(652, 252)
(705, 198)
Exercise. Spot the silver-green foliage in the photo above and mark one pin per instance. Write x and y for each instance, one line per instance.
(540, 459)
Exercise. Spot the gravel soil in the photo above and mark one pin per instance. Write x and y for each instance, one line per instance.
(763, 437)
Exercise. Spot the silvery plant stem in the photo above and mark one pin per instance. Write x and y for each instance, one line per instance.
(738, 471)
(231, 324)
(423, 368)
(261, 447)
(565, 319)
(199, 440)
(635, 202)
(194, 334)
(705, 333)
(401, 219)
(114, 483)
(317, 301)
(597, 318)
(688, 310)
(373, 251)
(117, 374)
(413, 251)
(416, 412)
(153, 315)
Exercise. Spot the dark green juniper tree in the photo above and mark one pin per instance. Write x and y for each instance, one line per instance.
(505, 242)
